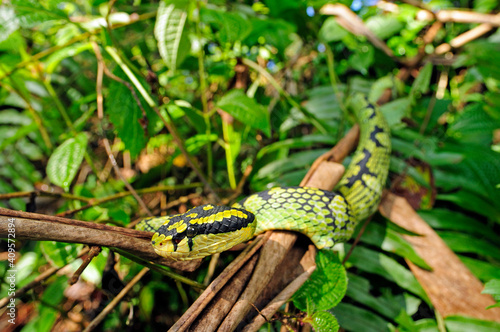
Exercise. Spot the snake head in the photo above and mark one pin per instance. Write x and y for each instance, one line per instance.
(202, 231)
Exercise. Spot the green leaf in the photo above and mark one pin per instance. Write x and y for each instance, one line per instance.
(384, 26)
(47, 312)
(462, 242)
(59, 253)
(326, 286)
(472, 202)
(352, 318)
(64, 163)
(421, 84)
(8, 22)
(482, 270)
(230, 27)
(467, 324)
(396, 110)
(146, 301)
(323, 321)
(246, 110)
(374, 262)
(390, 241)
(31, 13)
(173, 43)
(387, 304)
(298, 142)
(493, 287)
(331, 31)
(451, 220)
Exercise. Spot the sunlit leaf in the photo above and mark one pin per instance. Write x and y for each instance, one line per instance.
(246, 110)
(66, 159)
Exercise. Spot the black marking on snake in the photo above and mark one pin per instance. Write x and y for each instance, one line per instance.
(363, 169)
(373, 135)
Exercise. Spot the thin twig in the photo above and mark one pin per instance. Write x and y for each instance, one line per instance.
(100, 115)
(39, 279)
(170, 127)
(94, 251)
(95, 322)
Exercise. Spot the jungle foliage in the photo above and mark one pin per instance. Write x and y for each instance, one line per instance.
(252, 92)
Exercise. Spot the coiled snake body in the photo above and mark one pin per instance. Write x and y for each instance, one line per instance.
(325, 217)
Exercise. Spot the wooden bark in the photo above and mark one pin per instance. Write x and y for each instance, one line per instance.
(38, 227)
(451, 287)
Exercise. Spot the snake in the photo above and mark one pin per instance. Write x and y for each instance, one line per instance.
(325, 217)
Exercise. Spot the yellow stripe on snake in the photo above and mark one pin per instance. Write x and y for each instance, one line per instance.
(325, 217)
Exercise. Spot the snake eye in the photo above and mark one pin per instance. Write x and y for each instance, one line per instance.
(191, 231)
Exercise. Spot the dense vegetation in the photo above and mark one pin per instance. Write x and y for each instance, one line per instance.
(228, 98)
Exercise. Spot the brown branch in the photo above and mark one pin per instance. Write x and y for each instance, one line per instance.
(460, 16)
(450, 281)
(38, 227)
(94, 251)
(351, 22)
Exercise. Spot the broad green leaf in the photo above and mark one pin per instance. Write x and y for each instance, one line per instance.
(421, 84)
(395, 110)
(484, 271)
(173, 44)
(473, 125)
(468, 324)
(326, 286)
(323, 321)
(352, 318)
(298, 142)
(374, 262)
(31, 13)
(65, 161)
(452, 220)
(462, 242)
(8, 22)
(297, 160)
(387, 304)
(275, 32)
(390, 241)
(59, 253)
(331, 31)
(51, 299)
(492, 287)
(230, 27)
(246, 110)
(146, 301)
(384, 26)
(471, 202)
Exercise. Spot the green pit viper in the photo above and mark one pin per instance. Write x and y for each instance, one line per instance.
(325, 217)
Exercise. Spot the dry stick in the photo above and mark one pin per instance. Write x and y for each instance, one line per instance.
(94, 323)
(450, 281)
(180, 200)
(98, 201)
(38, 227)
(202, 301)
(213, 315)
(267, 313)
(464, 38)
(279, 244)
(100, 115)
(460, 16)
(94, 251)
(351, 22)
(44, 275)
(43, 193)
